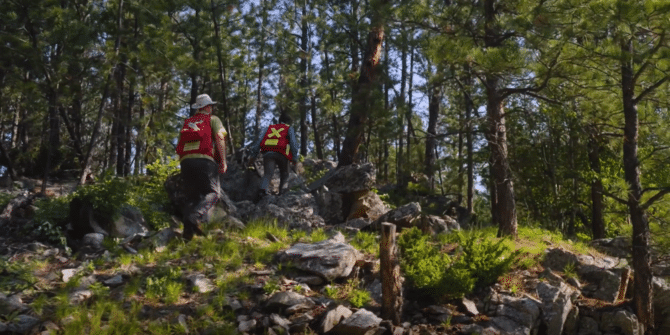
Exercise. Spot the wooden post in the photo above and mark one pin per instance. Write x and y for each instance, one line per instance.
(390, 273)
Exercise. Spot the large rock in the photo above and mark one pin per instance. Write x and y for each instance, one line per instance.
(402, 217)
(330, 205)
(124, 222)
(516, 315)
(438, 224)
(295, 210)
(333, 317)
(661, 305)
(287, 299)
(363, 322)
(351, 178)
(623, 321)
(329, 259)
(556, 305)
(368, 205)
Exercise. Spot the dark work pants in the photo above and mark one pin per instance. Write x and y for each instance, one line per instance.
(201, 186)
(270, 160)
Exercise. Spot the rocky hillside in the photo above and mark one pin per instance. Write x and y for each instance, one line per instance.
(303, 263)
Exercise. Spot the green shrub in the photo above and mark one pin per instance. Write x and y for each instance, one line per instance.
(486, 260)
(366, 242)
(359, 298)
(479, 263)
(165, 285)
(50, 216)
(422, 262)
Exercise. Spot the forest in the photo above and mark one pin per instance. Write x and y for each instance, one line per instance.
(537, 113)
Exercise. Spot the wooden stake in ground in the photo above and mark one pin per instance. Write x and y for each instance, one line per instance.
(390, 273)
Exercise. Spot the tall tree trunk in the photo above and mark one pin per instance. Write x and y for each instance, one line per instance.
(361, 100)
(302, 96)
(128, 116)
(315, 126)
(642, 281)
(333, 94)
(400, 168)
(597, 222)
(503, 207)
(261, 64)
(469, 108)
(408, 111)
(222, 78)
(431, 131)
(53, 144)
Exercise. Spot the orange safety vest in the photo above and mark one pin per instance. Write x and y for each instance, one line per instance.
(196, 136)
(276, 139)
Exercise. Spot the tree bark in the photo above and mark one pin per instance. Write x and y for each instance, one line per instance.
(222, 78)
(261, 64)
(390, 275)
(315, 126)
(302, 96)
(503, 205)
(431, 131)
(642, 280)
(361, 100)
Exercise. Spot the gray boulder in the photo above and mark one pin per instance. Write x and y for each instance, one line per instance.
(333, 317)
(402, 217)
(329, 259)
(287, 299)
(351, 178)
(363, 322)
(438, 224)
(623, 321)
(556, 305)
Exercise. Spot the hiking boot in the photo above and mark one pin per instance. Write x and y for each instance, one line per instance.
(197, 230)
(188, 233)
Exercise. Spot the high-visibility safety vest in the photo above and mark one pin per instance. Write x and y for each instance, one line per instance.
(276, 139)
(196, 136)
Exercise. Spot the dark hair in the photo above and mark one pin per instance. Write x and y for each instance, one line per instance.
(285, 119)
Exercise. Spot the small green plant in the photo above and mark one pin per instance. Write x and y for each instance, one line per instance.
(366, 242)
(298, 288)
(359, 298)
(318, 235)
(166, 285)
(570, 271)
(331, 291)
(271, 286)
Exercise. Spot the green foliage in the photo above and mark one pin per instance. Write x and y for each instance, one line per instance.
(50, 216)
(570, 271)
(479, 262)
(149, 195)
(318, 235)
(422, 262)
(366, 242)
(331, 291)
(271, 286)
(359, 298)
(165, 285)
(4, 200)
(107, 195)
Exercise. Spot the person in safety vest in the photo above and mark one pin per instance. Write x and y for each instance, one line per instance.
(202, 153)
(279, 147)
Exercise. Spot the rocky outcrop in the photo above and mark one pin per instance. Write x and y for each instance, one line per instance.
(403, 216)
(329, 259)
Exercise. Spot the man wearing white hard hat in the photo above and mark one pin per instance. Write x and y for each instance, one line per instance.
(202, 156)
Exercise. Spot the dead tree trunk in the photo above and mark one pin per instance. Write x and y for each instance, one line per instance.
(390, 273)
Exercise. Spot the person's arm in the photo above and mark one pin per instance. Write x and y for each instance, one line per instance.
(294, 145)
(220, 143)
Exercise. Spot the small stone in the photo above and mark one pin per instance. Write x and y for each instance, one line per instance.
(311, 280)
(69, 273)
(280, 321)
(114, 281)
(182, 321)
(246, 326)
